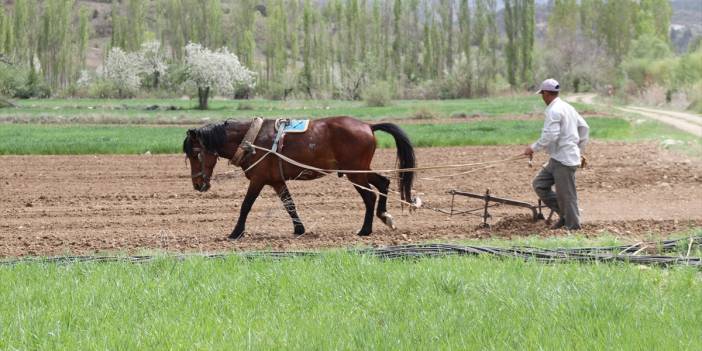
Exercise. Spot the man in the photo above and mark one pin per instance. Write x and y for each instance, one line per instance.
(564, 136)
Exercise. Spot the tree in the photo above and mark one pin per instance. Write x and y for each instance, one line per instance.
(123, 70)
(306, 76)
(153, 62)
(55, 43)
(83, 35)
(653, 18)
(219, 70)
(616, 24)
(3, 34)
(465, 44)
(519, 28)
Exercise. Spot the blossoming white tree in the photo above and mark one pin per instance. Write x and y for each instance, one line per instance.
(123, 70)
(153, 61)
(217, 70)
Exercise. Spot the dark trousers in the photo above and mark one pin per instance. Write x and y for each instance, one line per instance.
(564, 200)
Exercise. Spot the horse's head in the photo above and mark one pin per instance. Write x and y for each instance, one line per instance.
(202, 161)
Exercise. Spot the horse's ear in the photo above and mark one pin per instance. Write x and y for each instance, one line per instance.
(191, 133)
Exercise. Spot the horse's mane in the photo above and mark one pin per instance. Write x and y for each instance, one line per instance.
(212, 136)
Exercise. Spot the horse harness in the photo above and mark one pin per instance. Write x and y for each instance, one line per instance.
(282, 125)
(202, 164)
(240, 153)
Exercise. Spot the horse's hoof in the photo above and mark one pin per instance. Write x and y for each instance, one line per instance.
(235, 236)
(299, 230)
(364, 232)
(388, 220)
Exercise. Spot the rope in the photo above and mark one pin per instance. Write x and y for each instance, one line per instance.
(398, 170)
(326, 172)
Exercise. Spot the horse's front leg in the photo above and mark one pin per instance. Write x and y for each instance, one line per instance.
(282, 190)
(249, 199)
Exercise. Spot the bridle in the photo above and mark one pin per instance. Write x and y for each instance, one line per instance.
(202, 164)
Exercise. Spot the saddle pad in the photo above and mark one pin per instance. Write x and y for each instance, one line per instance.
(297, 126)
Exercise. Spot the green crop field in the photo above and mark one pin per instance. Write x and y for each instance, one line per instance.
(22, 139)
(349, 301)
(183, 111)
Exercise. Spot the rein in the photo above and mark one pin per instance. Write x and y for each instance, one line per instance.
(202, 165)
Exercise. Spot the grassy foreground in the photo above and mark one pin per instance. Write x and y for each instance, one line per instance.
(346, 301)
(26, 139)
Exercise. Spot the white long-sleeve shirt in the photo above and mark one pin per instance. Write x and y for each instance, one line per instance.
(565, 133)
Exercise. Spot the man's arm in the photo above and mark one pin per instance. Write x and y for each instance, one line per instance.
(583, 133)
(550, 133)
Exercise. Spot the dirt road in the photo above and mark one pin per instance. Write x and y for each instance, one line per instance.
(55, 205)
(685, 121)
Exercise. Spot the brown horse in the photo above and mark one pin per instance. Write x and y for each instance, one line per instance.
(330, 143)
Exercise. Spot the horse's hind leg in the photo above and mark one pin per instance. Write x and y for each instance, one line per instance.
(382, 183)
(368, 199)
(282, 190)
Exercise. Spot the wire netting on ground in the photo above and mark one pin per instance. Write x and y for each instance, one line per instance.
(662, 253)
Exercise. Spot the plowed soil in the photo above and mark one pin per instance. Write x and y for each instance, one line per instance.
(54, 205)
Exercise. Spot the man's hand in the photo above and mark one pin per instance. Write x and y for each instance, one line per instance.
(583, 161)
(528, 151)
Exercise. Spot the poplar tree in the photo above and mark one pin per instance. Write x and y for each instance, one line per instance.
(136, 26)
(306, 80)
(511, 30)
(527, 41)
(83, 35)
(397, 39)
(447, 24)
(519, 28)
(653, 18)
(617, 25)
(428, 45)
(465, 42)
(55, 48)
(21, 31)
(413, 46)
(3, 20)
(482, 38)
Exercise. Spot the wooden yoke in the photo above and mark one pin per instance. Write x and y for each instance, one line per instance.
(250, 137)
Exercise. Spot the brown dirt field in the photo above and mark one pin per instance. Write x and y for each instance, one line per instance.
(54, 205)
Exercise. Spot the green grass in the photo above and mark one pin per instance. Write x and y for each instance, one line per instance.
(134, 110)
(35, 139)
(346, 301)
(21, 139)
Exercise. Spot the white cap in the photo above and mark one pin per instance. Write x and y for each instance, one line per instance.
(549, 85)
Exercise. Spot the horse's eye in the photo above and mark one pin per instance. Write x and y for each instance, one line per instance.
(199, 157)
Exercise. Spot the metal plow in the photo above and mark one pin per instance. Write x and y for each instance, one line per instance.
(490, 201)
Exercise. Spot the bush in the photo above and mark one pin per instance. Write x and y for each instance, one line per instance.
(11, 79)
(378, 95)
(102, 89)
(694, 95)
(275, 91)
(245, 106)
(424, 112)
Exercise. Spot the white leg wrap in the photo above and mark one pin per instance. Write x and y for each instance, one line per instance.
(388, 220)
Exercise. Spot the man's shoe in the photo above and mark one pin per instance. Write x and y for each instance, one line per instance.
(558, 225)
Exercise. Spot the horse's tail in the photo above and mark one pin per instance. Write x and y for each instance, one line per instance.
(405, 153)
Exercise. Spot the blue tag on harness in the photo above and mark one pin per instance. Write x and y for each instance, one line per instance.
(297, 126)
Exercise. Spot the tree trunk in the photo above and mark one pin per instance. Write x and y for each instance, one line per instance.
(203, 95)
(157, 75)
